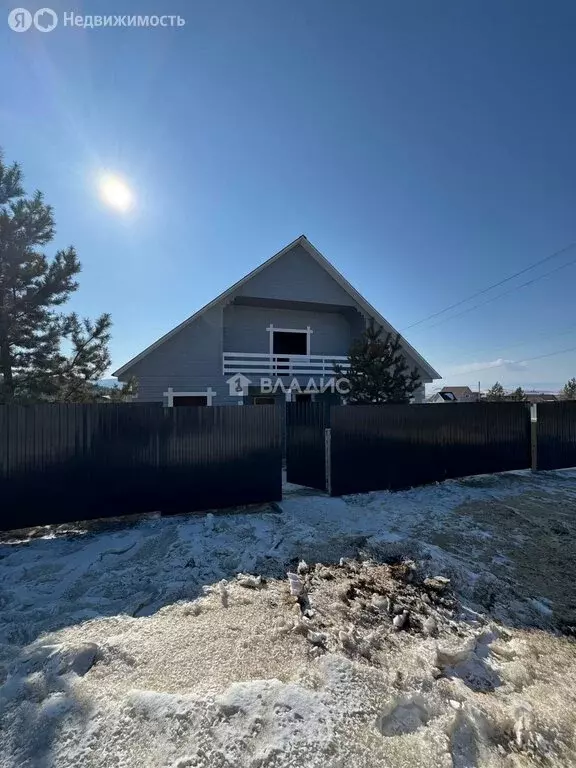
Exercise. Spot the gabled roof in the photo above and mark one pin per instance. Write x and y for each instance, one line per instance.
(325, 264)
(458, 391)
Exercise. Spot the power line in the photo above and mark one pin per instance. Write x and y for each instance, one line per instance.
(494, 285)
(526, 360)
(505, 293)
(514, 344)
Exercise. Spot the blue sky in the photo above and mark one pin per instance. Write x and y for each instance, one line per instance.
(427, 149)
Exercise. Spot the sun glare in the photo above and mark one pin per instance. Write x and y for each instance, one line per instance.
(115, 192)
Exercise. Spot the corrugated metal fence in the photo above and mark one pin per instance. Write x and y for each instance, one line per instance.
(556, 435)
(305, 450)
(377, 447)
(68, 462)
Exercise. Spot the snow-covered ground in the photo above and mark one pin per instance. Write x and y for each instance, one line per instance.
(134, 644)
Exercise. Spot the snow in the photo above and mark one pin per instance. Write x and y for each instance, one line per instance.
(155, 643)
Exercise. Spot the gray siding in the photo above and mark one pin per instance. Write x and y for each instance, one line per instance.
(297, 277)
(245, 329)
(190, 361)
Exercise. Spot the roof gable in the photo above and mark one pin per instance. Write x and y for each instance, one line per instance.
(338, 288)
(296, 276)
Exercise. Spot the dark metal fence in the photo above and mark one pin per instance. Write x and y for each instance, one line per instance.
(377, 447)
(305, 453)
(556, 435)
(70, 462)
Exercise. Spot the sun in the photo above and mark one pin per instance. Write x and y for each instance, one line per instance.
(115, 192)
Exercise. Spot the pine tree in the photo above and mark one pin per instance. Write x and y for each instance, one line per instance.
(32, 288)
(569, 390)
(115, 393)
(496, 393)
(378, 371)
(518, 395)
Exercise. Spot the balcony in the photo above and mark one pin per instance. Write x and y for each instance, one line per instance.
(262, 364)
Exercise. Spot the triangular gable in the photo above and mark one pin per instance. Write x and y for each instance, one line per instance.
(326, 281)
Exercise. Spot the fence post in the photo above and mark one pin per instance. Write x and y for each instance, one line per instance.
(534, 437)
(328, 460)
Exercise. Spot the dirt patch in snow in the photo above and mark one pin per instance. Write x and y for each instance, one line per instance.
(360, 663)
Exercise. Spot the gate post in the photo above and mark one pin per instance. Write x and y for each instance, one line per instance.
(534, 437)
(328, 460)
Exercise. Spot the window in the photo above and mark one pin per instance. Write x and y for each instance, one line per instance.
(190, 400)
(203, 397)
(290, 343)
(264, 401)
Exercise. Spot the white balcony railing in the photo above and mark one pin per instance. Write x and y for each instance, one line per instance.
(262, 364)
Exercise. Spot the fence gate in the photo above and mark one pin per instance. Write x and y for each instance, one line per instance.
(556, 435)
(305, 443)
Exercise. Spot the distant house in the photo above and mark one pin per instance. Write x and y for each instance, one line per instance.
(454, 394)
(291, 319)
(540, 397)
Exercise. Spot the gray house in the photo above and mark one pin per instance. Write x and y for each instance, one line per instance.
(273, 336)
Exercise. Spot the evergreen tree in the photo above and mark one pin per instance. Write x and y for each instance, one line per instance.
(569, 390)
(518, 394)
(115, 393)
(32, 288)
(378, 371)
(496, 393)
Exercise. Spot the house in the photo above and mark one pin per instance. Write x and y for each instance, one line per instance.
(540, 397)
(273, 336)
(454, 394)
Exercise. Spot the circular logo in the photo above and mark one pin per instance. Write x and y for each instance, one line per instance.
(19, 19)
(45, 20)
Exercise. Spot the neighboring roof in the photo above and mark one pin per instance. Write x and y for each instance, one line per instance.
(540, 397)
(444, 397)
(457, 391)
(332, 271)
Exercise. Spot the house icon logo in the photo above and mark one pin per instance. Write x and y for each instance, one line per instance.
(238, 385)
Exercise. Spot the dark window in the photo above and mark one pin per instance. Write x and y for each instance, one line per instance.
(286, 343)
(191, 400)
(303, 397)
(264, 401)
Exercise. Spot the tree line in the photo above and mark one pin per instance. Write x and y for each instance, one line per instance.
(497, 392)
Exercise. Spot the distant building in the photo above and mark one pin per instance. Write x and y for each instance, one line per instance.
(454, 395)
(540, 397)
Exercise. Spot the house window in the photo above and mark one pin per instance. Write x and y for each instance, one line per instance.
(290, 343)
(190, 400)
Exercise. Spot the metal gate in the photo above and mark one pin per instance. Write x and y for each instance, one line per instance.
(556, 435)
(305, 443)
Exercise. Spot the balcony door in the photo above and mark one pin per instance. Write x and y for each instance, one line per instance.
(288, 343)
